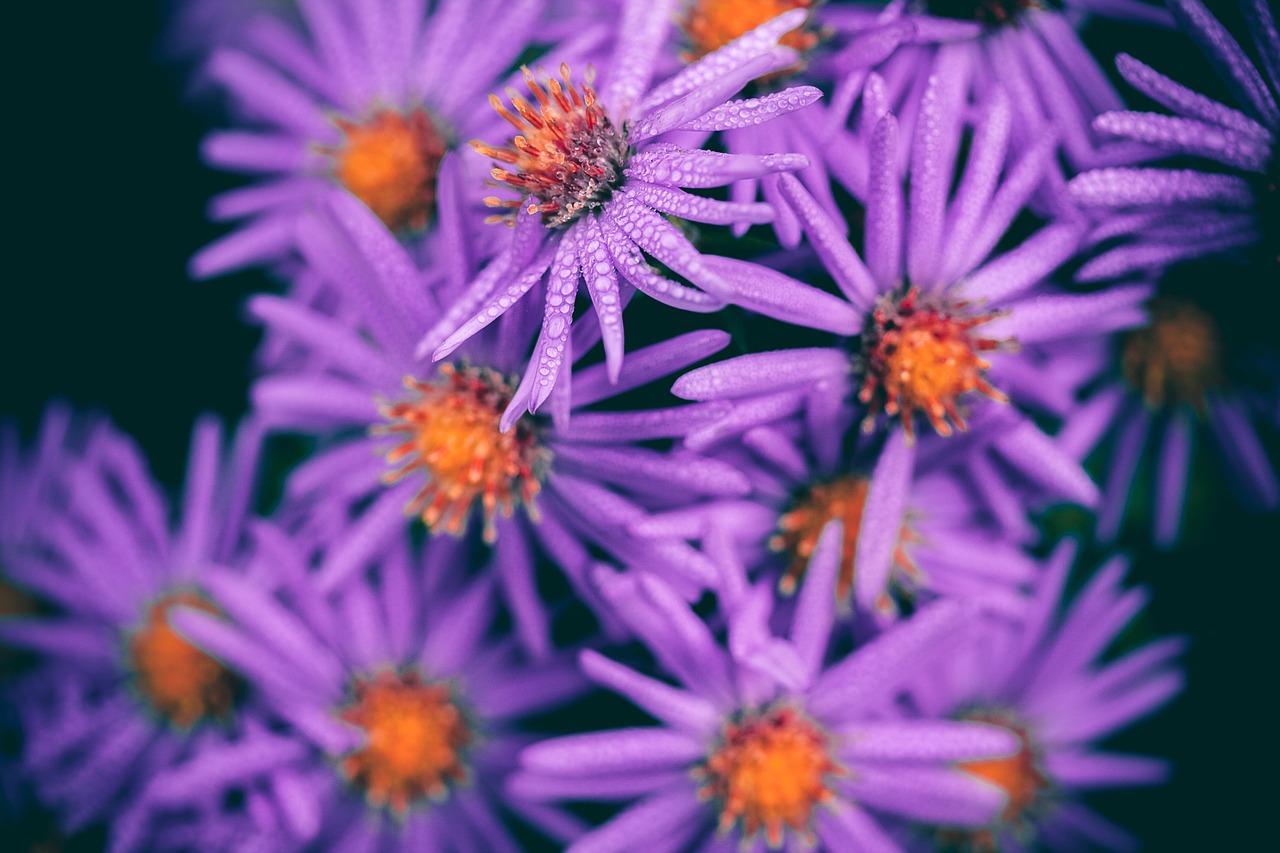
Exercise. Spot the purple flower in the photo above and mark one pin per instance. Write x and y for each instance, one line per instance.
(594, 182)
(1172, 214)
(762, 739)
(116, 696)
(373, 96)
(1043, 681)
(402, 715)
(453, 442)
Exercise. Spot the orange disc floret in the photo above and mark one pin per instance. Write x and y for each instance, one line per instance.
(711, 24)
(567, 156)
(1177, 357)
(842, 499)
(390, 162)
(451, 430)
(770, 770)
(919, 354)
(178, 680)
(414, 737)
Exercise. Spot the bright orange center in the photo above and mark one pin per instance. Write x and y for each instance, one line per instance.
(1177, 357)
(414, 736)
(180, 682)
(770, 770)
(799, 528)
(1017, 775)
(567, 156)
(711, 24)
(919, 354)
(450, 430)
(390, 163)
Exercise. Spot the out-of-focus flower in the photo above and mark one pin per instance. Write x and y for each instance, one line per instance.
(1171, 214)
(762, 739)
(1044, 682)
(406, 710)
(115, 695)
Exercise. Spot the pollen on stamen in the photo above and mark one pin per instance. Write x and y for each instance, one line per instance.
(920, 354)
(415, 735)
(770, 770)
(390, 161)
(450, 430)
(567, 157)
(178, 680)
(711, 24)
(842, 499)
(1177, 357)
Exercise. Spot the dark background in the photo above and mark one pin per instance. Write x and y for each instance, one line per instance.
(106, 204)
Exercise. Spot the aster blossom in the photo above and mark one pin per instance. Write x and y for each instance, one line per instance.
(1044, 680)
(595, 180)
(761, 739)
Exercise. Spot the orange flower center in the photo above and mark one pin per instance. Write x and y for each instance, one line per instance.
(711, 24)
(390, 163)
(1177, 357)
(770, 770)
(414, 736)
(842, 499)
(566, 158)
(450, 429)
(180, 682)
(1017, 775)
(920, 354)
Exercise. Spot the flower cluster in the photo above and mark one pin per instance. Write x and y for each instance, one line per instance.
(773, 569)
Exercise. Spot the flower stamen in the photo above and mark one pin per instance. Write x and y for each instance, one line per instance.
(1177, 357)
(390, 162)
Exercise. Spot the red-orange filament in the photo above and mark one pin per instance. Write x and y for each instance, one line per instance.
(566, 158)
(1176, 358)
(415, 735)
(181, 683)
(770, 770)
(842, 499)
(919, 354)
(1018, 775)
(711, 24)
(450, 431)
(390, 162)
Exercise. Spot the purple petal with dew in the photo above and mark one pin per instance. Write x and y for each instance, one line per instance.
(748, 413)
(1036, 455)
(1084, 771)
(1135, 423)
(1120, 187)
(384, 519)
(675, 707)
(260, 198)
(1173, 467)
(685, 109)
(1184, 101)
(318, 332)
(666, 164)
(602, 284)
(1238, 441)
(1232, 63)
(1060, 316)
(842, 823)
(631, 264)
(720, 62)
(884, 206)
(648, 364)
(562, 289)
(936, 795)
(663, 241)
(753, 111)
(642, 32)
(675, 422)
(656, 820)
(933, 158)
(868, 676)
(698, 209)
(925, 741)
(63, 639)
(1188, 136)
(261, 90)
(617, 751)
(1015, 271)
(195, 537)
(223, 767)
(496, 305)
(1114, 712)
(658, 471)
(979, 179)
(778, 450)
(539, 787)
(829, 242)
(781, 297)
(529, 690)
(241, 653)
(513, 562)
(759, 373)
(1020, 183)
(882, 518)
(255, 153)
(1261, 19)
(259, 241)
(299, 804)
(459, 631)
(815, 611)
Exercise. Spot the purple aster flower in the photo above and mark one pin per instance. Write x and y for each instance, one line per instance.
(115, 695)
(1190, 371)
(446, 443)
(595, 180)
(911, 533)
(762, 739)
(1043, 681)
(402, 714)
(373, 96)
(1173, 214)
(942, 317)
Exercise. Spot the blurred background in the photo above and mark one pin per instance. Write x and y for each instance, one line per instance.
(106, 200)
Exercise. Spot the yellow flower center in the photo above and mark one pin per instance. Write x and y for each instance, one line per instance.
(1177, 357)
(414, 736)
(181, 682)
(390, 162)
(450, 430)
(770, 771)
